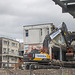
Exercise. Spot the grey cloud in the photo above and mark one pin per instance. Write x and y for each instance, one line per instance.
(14, 14)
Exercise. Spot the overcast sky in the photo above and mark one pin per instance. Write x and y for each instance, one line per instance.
(14, 14)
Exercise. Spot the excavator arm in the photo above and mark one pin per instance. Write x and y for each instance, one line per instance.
(68, 37)
(63, 30)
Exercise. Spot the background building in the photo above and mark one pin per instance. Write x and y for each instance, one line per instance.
(9, 50)
(34, 35)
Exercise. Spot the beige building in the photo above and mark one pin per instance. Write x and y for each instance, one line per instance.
(9, 50)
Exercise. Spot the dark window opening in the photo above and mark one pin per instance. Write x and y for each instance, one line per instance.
(26, 33)
(21, 53)
(41, 31)
(47, 30)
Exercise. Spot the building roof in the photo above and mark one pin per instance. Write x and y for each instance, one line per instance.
(9, 39)
(39, 24)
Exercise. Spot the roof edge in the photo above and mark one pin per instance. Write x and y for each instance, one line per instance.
(38, 24)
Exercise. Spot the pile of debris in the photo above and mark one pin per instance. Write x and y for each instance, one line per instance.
(62, 71)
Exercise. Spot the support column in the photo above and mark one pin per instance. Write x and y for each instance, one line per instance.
(60, 54)
(50, 51)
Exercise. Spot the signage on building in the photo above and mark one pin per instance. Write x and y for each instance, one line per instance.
(40, 56)
(26, 47)
(30, 47)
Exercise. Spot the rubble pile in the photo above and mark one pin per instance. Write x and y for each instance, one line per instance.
(64, 71)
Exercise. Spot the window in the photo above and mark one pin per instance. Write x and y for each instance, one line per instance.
(12, 51)
(47, 30)
(8, 51)
(41, 31)
(4, 50)
(16, 52)
(8, 43)
(15, 59)
(13, 44)
(5, 42)
(12, 58)
(16, 44)
(4, 65)
(4, 58)
(21, 53)
(26, 33)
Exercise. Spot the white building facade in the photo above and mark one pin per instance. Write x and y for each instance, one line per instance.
(34, 35)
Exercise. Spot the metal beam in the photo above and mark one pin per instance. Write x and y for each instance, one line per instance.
(64, 7)
(60, 4)
(67, 0)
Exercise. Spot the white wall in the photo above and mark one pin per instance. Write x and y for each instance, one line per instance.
(35, 33)
(33, 36)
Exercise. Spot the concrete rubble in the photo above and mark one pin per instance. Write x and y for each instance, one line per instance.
(65, 71)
